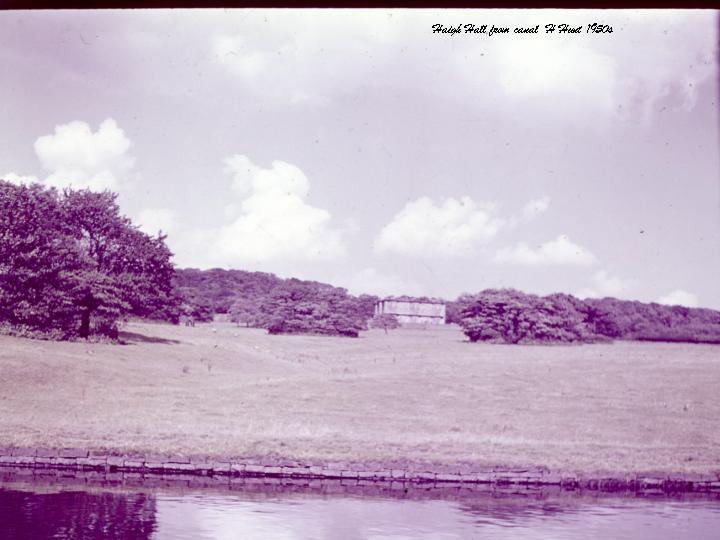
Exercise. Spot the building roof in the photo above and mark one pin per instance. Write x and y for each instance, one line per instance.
(414, 300)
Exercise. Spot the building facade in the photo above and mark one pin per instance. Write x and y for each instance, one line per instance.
(412, 310)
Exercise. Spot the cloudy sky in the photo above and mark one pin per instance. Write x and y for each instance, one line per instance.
(362, 149)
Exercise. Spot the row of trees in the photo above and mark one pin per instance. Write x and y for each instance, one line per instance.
(204, 293)
(71, 265)
(262, 300)
(510, 316)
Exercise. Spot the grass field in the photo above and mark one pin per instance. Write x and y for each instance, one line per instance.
(423, 395)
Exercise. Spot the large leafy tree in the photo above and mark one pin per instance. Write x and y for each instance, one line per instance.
(38, 257)
(73, 265)
(124, 270)
(510, 316)
(302, 307)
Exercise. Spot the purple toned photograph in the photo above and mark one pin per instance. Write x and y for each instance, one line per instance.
(359, 274)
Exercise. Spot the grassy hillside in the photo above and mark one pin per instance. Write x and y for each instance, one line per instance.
(419, 394)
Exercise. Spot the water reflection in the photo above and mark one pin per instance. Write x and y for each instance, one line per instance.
(597, 518)
(39, 511)
(360, 519)
(76, 514)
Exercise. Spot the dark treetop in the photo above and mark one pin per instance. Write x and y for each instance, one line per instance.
(71, 265)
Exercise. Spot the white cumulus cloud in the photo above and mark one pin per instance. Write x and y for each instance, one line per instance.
(452, 228)
(558, 67)
(18, 179)
(372, 281)
(75, 155)
(561, 251)
(274, 220)
(679, 297)
(621, 77)
(307, 55)
(297, 56)
(154, 220)
(604, 284)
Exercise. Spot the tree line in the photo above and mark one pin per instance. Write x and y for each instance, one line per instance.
(262, 300)
(494, 315)
(72, 266)
(511, 316)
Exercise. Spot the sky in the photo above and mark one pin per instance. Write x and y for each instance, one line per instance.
(360, 148)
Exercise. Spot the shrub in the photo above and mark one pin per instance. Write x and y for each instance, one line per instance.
(386, 321)
(298, 307)
(688, 333)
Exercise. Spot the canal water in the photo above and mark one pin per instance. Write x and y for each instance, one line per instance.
(38, 511)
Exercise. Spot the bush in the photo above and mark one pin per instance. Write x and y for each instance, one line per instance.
(454, 309)
(689, 333)
(299, 307)
(25, 331)
(386, 321)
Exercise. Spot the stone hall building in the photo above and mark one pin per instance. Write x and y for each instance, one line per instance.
(410, 310)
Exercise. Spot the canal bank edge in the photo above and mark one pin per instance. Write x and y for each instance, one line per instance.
(407, 473)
